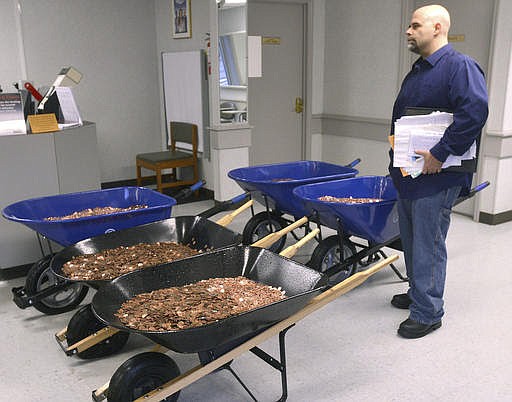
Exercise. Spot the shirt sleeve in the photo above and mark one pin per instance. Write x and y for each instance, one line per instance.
(468, 97)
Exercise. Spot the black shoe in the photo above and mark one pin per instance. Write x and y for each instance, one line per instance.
(411, 329)
(401, 301)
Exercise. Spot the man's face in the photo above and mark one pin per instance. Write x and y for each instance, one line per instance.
(419, 34)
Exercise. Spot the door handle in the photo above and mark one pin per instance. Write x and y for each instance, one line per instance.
(299, 105)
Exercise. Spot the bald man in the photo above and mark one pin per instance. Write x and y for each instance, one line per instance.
(445, 80)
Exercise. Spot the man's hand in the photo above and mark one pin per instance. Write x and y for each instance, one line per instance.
(430, 164)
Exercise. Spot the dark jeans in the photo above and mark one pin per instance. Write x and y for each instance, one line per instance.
(424, 225)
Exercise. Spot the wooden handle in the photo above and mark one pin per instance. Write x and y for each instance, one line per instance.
(227, 219)
(348, 284)
(271, 238)
(290, 251)
(200, 371)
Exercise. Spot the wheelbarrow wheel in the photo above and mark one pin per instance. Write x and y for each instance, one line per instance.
(39, 277)
(327, 254)
(261, 225)
(141, 374)
(84, 323)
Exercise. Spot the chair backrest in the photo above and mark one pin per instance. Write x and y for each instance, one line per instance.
(184, 132)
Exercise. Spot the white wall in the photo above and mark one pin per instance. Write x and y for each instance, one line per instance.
(113, 43)
(318, 52)
(361, 78)
(11, 67)
(361, 57)
(497, 148)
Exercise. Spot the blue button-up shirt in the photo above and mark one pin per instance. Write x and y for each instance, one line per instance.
(446, 80)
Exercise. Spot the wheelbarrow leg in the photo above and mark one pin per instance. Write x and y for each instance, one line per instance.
(395, 269)
(230, 369)
(278, 365)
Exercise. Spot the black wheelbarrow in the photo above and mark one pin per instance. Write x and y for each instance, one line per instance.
(153, 376)
(87, 337)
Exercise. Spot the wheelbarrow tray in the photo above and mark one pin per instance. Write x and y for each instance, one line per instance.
(376, 222)
(264, 180)
(32, 212)
(197, 232)
(298, 281)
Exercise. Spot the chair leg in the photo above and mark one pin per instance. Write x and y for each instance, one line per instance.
(196, 178)
(159, 180)
(196, 174)
(139, 176)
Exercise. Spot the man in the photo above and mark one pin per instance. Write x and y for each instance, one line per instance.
(441, 79)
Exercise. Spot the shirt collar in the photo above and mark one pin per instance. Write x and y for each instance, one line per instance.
(438, 54)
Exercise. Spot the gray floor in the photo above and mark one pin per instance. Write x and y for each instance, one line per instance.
(347, 351)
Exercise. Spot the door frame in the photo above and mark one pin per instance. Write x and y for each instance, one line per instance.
(307, 60)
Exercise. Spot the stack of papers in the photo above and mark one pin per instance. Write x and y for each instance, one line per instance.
(422, 132)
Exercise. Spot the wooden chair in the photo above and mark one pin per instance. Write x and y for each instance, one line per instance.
(172, 158)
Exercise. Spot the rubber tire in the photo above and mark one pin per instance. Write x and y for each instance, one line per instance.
(84, 323)
(325, 250)
(141, 374)
(39, 275)
(253, 230)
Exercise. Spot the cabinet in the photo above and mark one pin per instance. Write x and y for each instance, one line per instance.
(37, 165)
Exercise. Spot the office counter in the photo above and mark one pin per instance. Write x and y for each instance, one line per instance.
(37, 165)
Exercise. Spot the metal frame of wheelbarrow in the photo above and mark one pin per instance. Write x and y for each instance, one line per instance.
(373, 251)
(224, 360)
(107, 332)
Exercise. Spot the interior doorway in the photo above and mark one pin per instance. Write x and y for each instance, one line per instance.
(276, 98)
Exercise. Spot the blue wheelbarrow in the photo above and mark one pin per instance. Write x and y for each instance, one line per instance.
(363, 229)
(45, 291)
(272, 186)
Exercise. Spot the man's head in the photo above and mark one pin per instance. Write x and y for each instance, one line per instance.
(428, 30)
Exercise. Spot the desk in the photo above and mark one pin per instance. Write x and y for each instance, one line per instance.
(37, 165)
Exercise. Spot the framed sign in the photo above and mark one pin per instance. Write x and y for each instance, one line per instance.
(180, 16)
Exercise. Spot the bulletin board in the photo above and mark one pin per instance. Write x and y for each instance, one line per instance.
(186, 92)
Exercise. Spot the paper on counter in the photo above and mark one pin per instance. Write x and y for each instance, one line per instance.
(68, 107)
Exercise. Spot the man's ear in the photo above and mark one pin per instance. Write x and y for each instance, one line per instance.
(437, 28)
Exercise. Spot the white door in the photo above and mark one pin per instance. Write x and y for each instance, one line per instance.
(278, 133)
(471, 32)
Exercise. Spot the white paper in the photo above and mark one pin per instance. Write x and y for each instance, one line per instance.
(68, 108)
(423, 132)
(254, 56)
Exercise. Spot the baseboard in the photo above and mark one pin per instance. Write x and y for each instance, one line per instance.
(201, 195)
(146, 181)
(14, 272)
(495, 219)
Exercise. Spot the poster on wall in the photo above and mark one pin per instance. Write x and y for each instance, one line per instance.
(12, 120)
(180, 19)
